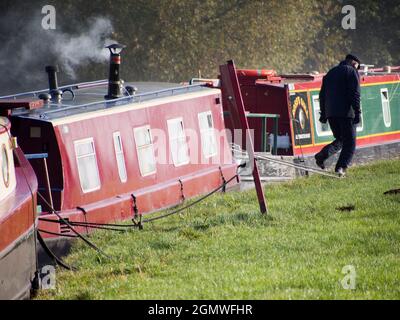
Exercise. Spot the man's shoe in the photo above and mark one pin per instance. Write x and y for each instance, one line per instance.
(341, 172)
(319, 162)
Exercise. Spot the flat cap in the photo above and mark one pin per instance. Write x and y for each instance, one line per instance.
(353, 57)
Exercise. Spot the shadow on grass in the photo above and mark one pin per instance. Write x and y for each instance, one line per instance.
(83, 295)
(194, 228)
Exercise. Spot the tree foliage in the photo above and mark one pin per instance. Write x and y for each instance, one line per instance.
(174, 40)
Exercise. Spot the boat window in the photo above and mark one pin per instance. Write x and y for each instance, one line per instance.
(87, 165)
(177, 142)
(207, 133)
(5, 166)
(119, 154)
(387, 119)
(145, 150)
(35, 132)
(322, 128)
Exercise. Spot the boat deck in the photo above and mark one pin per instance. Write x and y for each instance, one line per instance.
(88, 97)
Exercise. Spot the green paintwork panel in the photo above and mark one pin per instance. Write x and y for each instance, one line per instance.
(373, 98)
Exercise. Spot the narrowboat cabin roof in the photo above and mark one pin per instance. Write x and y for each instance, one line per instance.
(272, 78)
(88, 97)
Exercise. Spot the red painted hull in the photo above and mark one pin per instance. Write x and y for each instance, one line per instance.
(17, 241)
(148, 200)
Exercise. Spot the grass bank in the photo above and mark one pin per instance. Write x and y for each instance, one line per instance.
(225, 249)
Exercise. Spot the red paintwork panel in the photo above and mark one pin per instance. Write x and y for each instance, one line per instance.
(19, 210)
(273, 99)
(263, 97)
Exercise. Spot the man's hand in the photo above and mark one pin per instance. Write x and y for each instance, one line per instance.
(356, 119)
(322, 119)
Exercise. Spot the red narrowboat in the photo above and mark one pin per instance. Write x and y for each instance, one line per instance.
(18, 187)
(118, 151)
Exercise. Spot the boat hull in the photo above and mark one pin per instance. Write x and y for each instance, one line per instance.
(17, 267)
(18, 223)
(148, 200)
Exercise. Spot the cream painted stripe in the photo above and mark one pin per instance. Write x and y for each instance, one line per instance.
(363, 85)
(307, 145)
(379, 134)
(379, 83)
(361, 137)
(132, 106)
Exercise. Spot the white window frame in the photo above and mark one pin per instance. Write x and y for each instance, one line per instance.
(5, 160)
(123, 174)
(145, 146)
(360, 128)
(181, 139)
(317, 108)
(206, 132)
(83, 141)
(7, 167)
(316, 119)
(385, 102)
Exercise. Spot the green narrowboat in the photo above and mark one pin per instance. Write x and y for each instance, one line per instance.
(284, 110)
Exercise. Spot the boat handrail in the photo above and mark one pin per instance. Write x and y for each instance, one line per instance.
(135, 98)
(70, 86)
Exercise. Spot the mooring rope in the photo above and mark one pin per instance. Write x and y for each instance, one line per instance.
(106, 226)
(95, 224)
(88, 242)
(51, 254)
(297, 166)
(236, 149)
(222, 186)
(87, 225)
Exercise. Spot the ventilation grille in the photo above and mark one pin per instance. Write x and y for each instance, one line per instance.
(64, 228)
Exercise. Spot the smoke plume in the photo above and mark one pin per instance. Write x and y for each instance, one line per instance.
(27, 48)
(82, 49)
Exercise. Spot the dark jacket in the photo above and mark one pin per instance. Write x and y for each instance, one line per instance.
(340, 92)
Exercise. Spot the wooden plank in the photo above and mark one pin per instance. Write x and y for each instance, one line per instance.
(231, 89)
(29, 104)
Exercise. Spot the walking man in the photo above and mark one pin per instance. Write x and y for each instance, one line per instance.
(340, 105)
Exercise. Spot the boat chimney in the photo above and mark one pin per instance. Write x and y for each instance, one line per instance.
(114, 79)
(55, 93)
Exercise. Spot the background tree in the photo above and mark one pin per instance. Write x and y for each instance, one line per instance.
(172, 40)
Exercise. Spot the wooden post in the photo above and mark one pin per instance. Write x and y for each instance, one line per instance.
(234, 99)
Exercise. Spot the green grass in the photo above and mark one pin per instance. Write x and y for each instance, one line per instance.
(225, 249)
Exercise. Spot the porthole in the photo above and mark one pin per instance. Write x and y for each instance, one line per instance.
(5, 166)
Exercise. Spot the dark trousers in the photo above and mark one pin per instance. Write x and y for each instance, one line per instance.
(344, 132)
